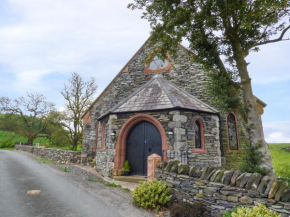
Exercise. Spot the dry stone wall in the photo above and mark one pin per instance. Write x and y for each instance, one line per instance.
(57, 155)
(220, 190)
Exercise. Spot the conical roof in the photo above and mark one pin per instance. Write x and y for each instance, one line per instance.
(159, 94)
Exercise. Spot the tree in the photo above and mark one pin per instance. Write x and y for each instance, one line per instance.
(26, 116)
(221, 33)
(78, 95)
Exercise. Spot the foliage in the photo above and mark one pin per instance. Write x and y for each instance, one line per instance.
(224, 91)
(151, 194)
(251, 161)
(65, 169)
(256, 211)
(221, 34)
(93, 163)
(78, 96)
(281, 161)
(114, 185)
(229, 213)
(184, 209)
(26, 116)
(6, 144)
(44, 160)
(126, 167)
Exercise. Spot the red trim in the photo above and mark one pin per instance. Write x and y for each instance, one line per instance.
(152, 71)
(228, 147)
(125, 130)
(202, 149)
(103, 137)
(97, 137)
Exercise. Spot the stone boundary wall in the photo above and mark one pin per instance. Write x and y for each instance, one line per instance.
(57, 155)
(220, 190)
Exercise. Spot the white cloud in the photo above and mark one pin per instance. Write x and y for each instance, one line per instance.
(277, 131)
(94, 38)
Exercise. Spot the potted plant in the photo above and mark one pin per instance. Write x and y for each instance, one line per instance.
(126, 168)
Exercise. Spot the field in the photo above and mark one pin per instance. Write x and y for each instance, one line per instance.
(9, 136)
(281, 160)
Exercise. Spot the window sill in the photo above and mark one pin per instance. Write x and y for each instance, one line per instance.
(199, 150)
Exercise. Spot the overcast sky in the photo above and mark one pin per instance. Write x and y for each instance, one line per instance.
(43, 41)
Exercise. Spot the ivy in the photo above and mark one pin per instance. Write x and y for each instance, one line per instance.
(224, 91)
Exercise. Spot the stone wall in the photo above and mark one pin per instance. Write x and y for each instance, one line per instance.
(181, 122)
(220, 190)
(186, 74)
(57, 155)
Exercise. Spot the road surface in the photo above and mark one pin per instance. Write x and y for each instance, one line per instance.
(31, 189)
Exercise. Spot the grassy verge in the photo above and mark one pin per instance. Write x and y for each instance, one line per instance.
(113, 185)
(44, 160)
(281, 160)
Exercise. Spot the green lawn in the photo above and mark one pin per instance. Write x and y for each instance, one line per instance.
(4, 136)
(281, 160)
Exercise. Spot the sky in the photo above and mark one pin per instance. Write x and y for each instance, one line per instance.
(43, 41)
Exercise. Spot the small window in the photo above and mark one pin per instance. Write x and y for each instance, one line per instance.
(197, 135)
(232, 132)
(97, 137)
(199, 146)
(157, 65)
(103, 137)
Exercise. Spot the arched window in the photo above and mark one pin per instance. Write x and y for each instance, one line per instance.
(199, 137)
(157, 65)
(233, 137)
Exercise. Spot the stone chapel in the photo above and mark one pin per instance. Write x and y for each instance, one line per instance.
(161, 107)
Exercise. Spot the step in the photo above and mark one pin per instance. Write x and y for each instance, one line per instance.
(134, 179)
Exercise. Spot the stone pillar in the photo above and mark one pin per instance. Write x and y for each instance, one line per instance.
(152, 163)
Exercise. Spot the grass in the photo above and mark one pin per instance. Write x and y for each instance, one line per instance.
(68, 148)
(65, 169)
(44, 160)
(113, 185)
(281, 160)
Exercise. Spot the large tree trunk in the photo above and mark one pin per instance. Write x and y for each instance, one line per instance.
(256, 135)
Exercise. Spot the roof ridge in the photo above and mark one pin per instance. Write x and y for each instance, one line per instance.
(168, 92)
(190, 95)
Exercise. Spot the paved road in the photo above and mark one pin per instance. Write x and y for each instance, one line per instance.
(60, 196)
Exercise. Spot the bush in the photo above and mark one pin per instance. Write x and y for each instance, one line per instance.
(184, 209)
(257, 211)
(6, 144)
(151, 194)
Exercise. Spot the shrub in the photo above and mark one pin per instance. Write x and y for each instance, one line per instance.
(151, 194)
(6, 144)
(256, 211)
(184, 209)
(229, 213)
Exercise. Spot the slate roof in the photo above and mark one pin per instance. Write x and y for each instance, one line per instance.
(159, 94)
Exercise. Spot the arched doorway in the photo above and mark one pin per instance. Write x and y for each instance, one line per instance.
(143, 140)
(120, 155)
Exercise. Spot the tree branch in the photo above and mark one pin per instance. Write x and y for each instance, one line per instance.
(272, 41)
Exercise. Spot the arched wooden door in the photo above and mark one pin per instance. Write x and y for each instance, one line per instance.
(143, 140)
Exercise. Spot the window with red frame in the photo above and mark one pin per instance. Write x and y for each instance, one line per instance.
(199, 146)
(158, 65)
(103, 136)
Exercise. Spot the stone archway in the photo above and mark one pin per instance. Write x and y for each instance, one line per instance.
(126, 128)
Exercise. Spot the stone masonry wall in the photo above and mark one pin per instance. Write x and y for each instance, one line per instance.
(182, 123)
(220, 190)
(57, 155)
(186, 74)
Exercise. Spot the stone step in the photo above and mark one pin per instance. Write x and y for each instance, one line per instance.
(134, 179)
